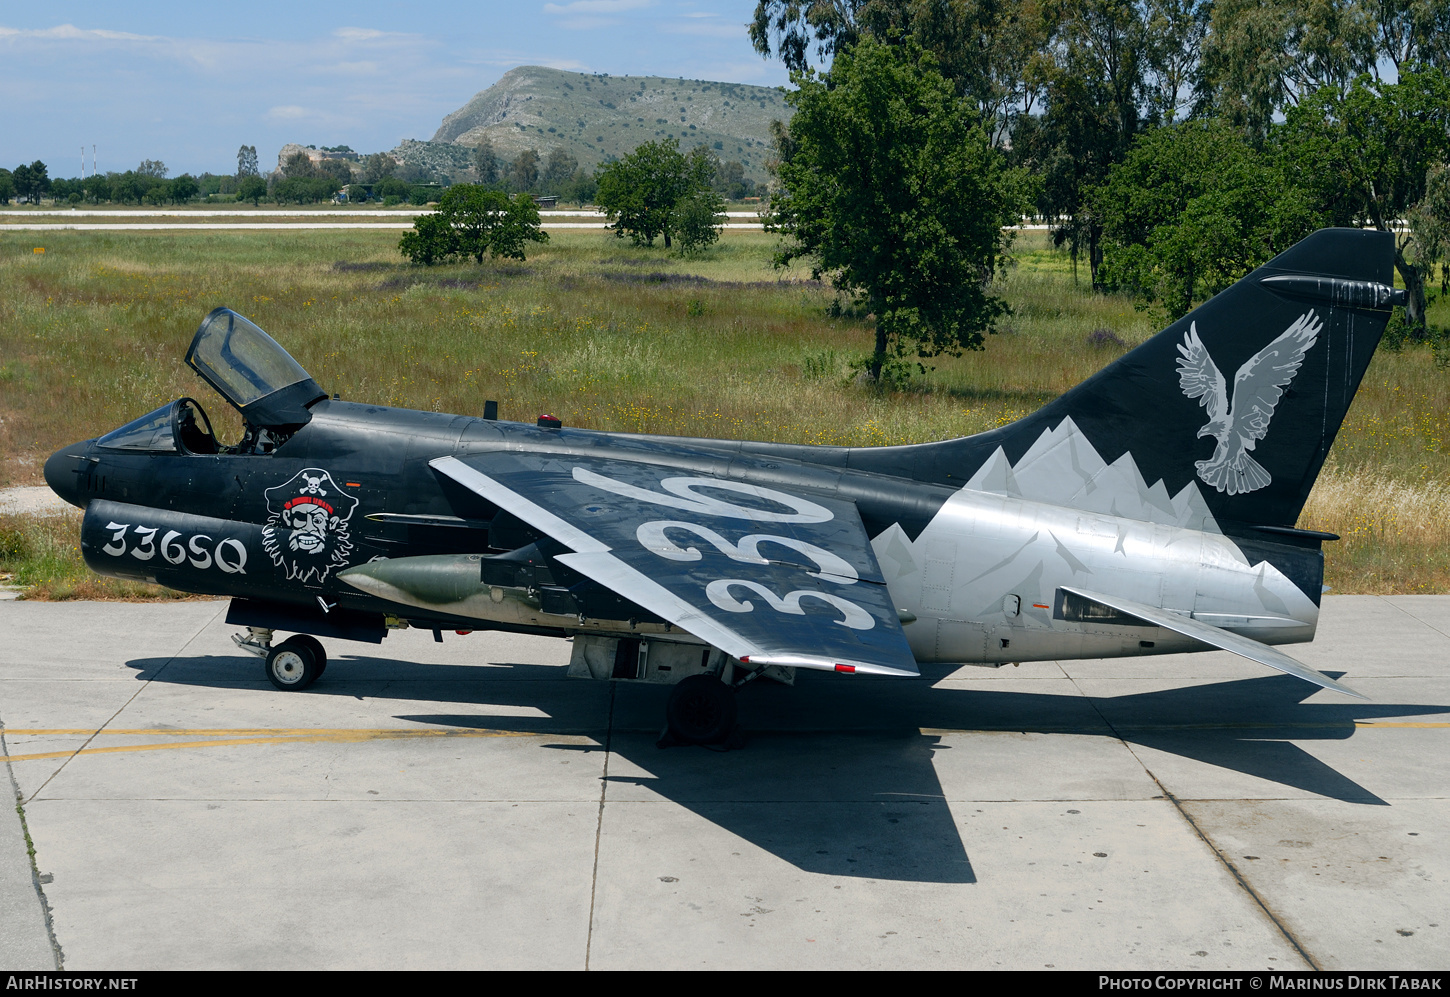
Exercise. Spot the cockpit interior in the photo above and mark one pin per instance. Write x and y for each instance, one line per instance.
(247, 367)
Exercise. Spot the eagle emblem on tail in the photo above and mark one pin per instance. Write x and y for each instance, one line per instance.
(1239, 423)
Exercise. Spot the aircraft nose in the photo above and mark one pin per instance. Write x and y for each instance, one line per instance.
(64, 471)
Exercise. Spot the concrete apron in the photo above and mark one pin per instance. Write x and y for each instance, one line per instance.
(465, 805)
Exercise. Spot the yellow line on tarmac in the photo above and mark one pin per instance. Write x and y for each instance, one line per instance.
(1168, 728)
(280, 731)
(259, 736)
(233, 736)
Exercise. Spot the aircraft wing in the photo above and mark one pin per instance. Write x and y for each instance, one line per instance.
(768, 576)
(1217, 637)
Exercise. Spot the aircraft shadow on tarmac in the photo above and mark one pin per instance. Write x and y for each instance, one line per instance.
(838, 776)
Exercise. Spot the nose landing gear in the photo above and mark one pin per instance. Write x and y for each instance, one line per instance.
(292, 665)
(295, 663)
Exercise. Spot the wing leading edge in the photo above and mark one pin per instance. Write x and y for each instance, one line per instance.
(768, 576)
(1214, 636)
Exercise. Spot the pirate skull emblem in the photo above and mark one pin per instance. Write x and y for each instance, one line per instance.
(307, 531)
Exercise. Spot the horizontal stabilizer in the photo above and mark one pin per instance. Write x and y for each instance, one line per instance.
(1245, 647)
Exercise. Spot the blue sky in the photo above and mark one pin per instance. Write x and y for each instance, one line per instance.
(189, 83)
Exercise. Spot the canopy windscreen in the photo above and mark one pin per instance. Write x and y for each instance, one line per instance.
(240, 360)
(153, 432)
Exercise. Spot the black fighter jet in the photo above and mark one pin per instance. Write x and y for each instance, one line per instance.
(1151, 509)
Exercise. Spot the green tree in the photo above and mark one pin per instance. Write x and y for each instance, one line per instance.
(31, 182)
(337, 169)
(126, 187)
(1263, 57)
(304, 190)
(697, 219)
(1174, 31)
(1365, 156)
(582, 188)
(251, 188)
(391, 186)
(990, 50)
(730, 181)
(247, 162)
(485, 162)
(1093, 86)
(473, 220)
(153, 168)
(431, 241)
(184, 188)
(525, 173)
(299, 165)
(641, 192)
(1191, 209)
(378, 167)
(893, 190)
(559, 171)
(66, 190)
(7, 186)
(97, 188)
(1430, 223)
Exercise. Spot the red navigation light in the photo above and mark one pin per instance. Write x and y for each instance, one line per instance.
(846, 669)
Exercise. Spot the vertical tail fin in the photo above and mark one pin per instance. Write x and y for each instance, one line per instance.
(1241, 398)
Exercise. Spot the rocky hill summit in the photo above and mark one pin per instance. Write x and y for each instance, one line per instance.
(598, 117)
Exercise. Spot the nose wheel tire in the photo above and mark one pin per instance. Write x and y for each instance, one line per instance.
(701, 710)
(291, 665)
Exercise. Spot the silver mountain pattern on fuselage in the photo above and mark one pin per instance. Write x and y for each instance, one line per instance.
(982, 577)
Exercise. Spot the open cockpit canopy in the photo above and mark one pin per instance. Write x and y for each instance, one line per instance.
(249, 369)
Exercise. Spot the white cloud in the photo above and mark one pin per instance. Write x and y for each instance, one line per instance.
(69, 32)
(708, 29)
(512, 58)
(374, 35)
(596, 6)
(571, 65)
(587, 23)
(352, 68)
(289, 112)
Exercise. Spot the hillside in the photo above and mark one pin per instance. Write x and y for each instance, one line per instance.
(602, 117)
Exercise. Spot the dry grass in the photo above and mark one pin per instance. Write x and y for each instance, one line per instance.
(41, 555)
(1395, 534)
(608, 336)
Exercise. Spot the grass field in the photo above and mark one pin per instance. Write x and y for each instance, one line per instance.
(608, 336)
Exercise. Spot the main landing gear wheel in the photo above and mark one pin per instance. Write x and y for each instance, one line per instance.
(291, 665)
(701, 710)
(319, 653)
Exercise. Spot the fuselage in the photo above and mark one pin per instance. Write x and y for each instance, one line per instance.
(974, 573)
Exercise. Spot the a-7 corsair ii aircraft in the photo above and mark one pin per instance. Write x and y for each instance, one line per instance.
(1149, 510)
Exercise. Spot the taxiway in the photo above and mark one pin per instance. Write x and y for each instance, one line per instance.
(466, 805)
